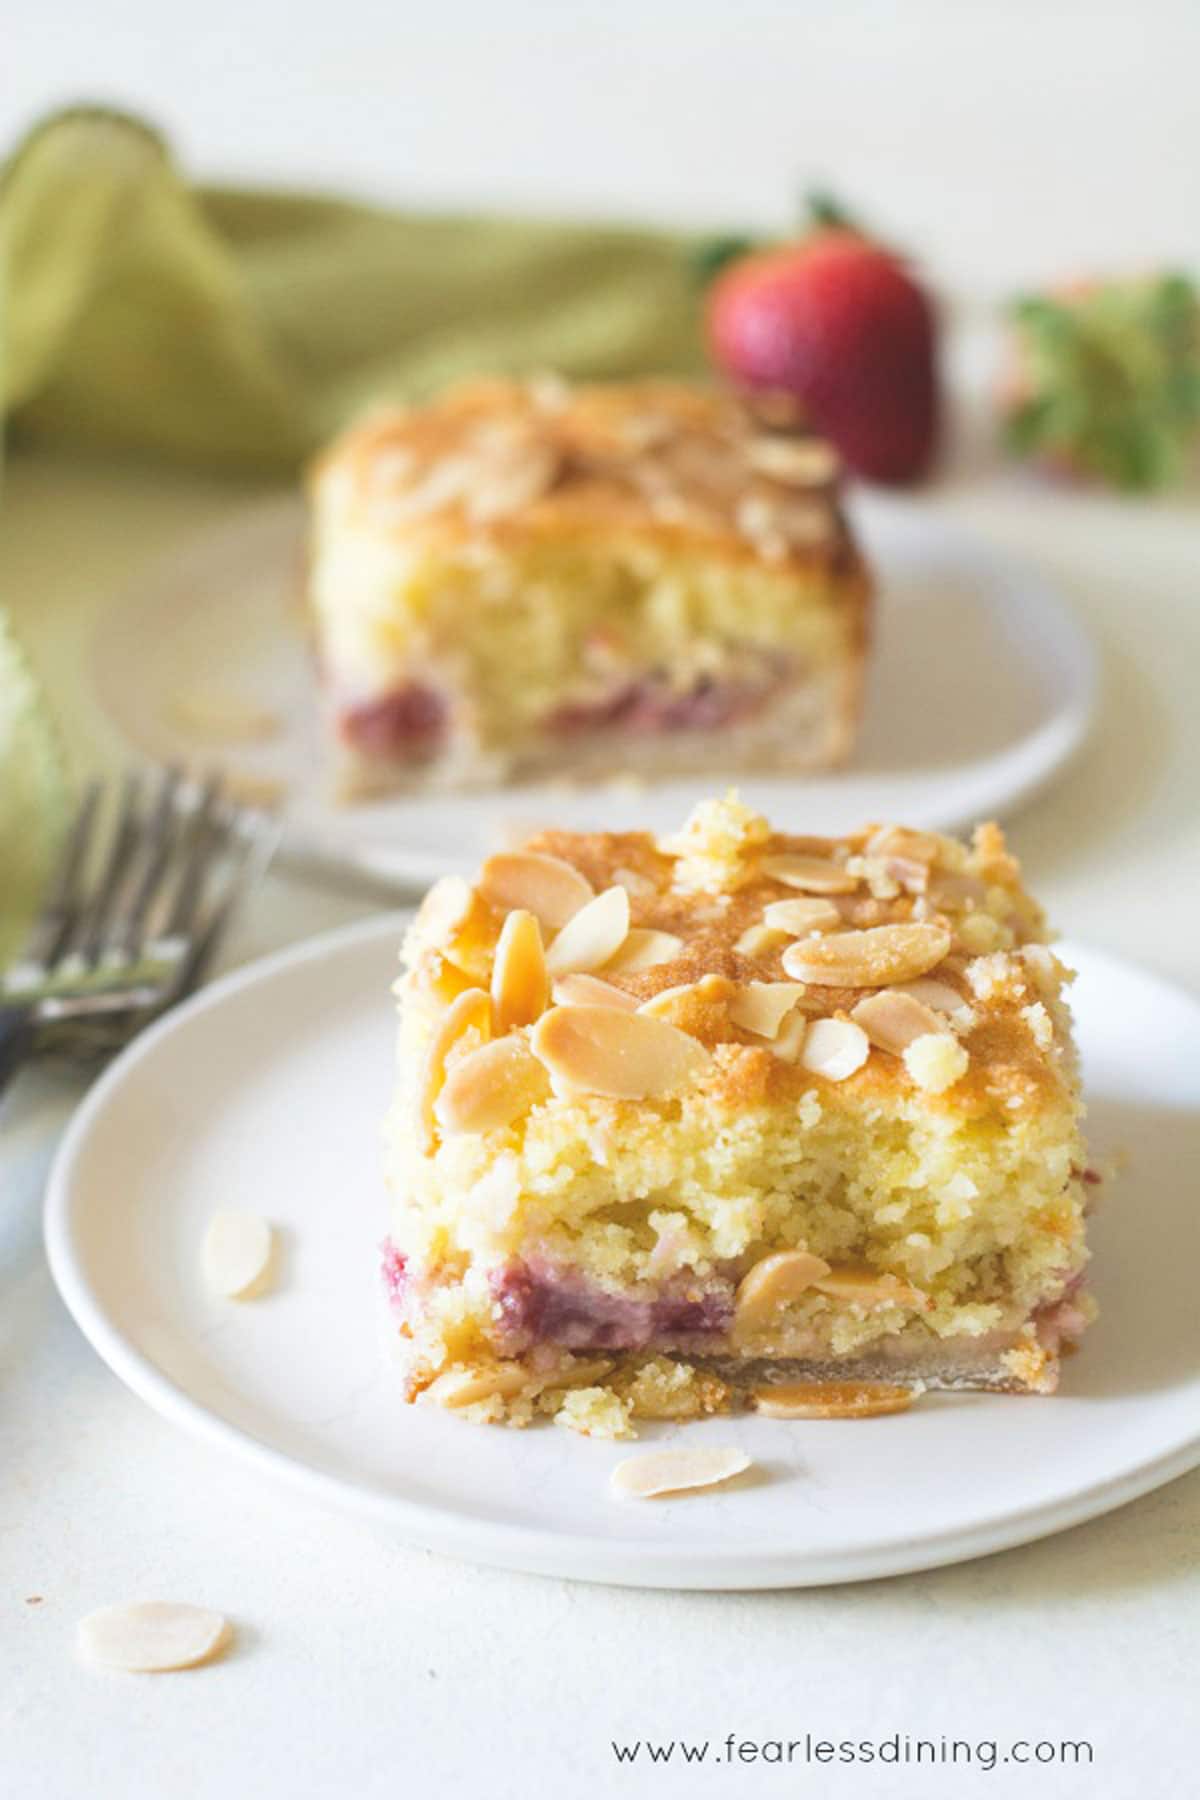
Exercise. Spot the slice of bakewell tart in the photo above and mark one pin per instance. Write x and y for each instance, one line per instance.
(738, 1117)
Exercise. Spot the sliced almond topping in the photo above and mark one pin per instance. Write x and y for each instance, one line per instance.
(519, 985)
(770, 1284)
(675, 1471)
(800, 917)
(445, 908)
(813, 874)
(862, 1286)
(801, 462)
(832, 1399)
(527, 881)
(236, 1254)
(762, 1006)
(938, 995)
(592, 937)
(877, 957)
(490, 1087)
(892, 1019)
(589, 990)
(625, 1056)
(471, 1012)
(516, 479)
(788, 1042)
(898, 840)
(760, 940)
(668, 1002)
(644, 949)
(834, 1048)
(463, 1387)
(151, 1636)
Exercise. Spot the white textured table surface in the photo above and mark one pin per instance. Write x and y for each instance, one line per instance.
(363, 1669)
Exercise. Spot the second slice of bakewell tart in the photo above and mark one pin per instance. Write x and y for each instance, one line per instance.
(682, 1124)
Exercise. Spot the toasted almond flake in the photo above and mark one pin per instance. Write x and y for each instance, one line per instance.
(762, 1006)
(760, 940)
(590, 990)
(936, 1061)
(236, 1254)
(519, 982)
(770, 1284)
(862, 1286)
(516, 479)
(464, 1387)
(892, 1020)
(834, 1048)
(788, 1042)
(644, 949)
(636, 886)
(490, 1087)
(801, 462)
(800, 917)
(444, 910)
(939, 996)
(898, 840)
(590, 939)
(813, 874)
(444, 483)
(152, 1636)
(832, 1399)
(675, 1471)
(877, 957)
(624, 1056)
(528, 881)
(471, 1012)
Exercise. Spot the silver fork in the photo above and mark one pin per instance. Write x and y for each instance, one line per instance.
(107, 952)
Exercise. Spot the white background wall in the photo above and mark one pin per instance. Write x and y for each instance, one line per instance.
(1003, 139)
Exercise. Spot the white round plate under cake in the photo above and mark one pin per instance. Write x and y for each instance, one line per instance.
(982, 686)
(265, 1093)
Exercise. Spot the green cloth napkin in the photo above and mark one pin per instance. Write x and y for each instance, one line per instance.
(239, 330)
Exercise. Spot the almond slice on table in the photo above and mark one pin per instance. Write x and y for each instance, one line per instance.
(236, 1254)
(832, 1400)
(834, 1048)
(762, 1006)
(658, 1472)
(799, 917)
(644, 949)
(490, 1087)
(528, 881)
(770, 1284)
(590, 990)
(892, 1020)
(813, 874)
(519, 975)
(877, 957)
(592, 937)
(472, 1011)
(621, 1055)
(866, 1287)
(152, 1636)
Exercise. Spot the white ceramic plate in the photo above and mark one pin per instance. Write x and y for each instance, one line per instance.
(266, 1092)
(983, 686)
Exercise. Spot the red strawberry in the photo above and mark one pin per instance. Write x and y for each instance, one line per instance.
(837, 322)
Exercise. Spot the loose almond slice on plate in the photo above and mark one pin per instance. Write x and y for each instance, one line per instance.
(236, 1254)
(658, 1472)
(152, 1636)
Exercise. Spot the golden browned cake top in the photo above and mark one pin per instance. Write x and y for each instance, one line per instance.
(666, 459)
(885, 960)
